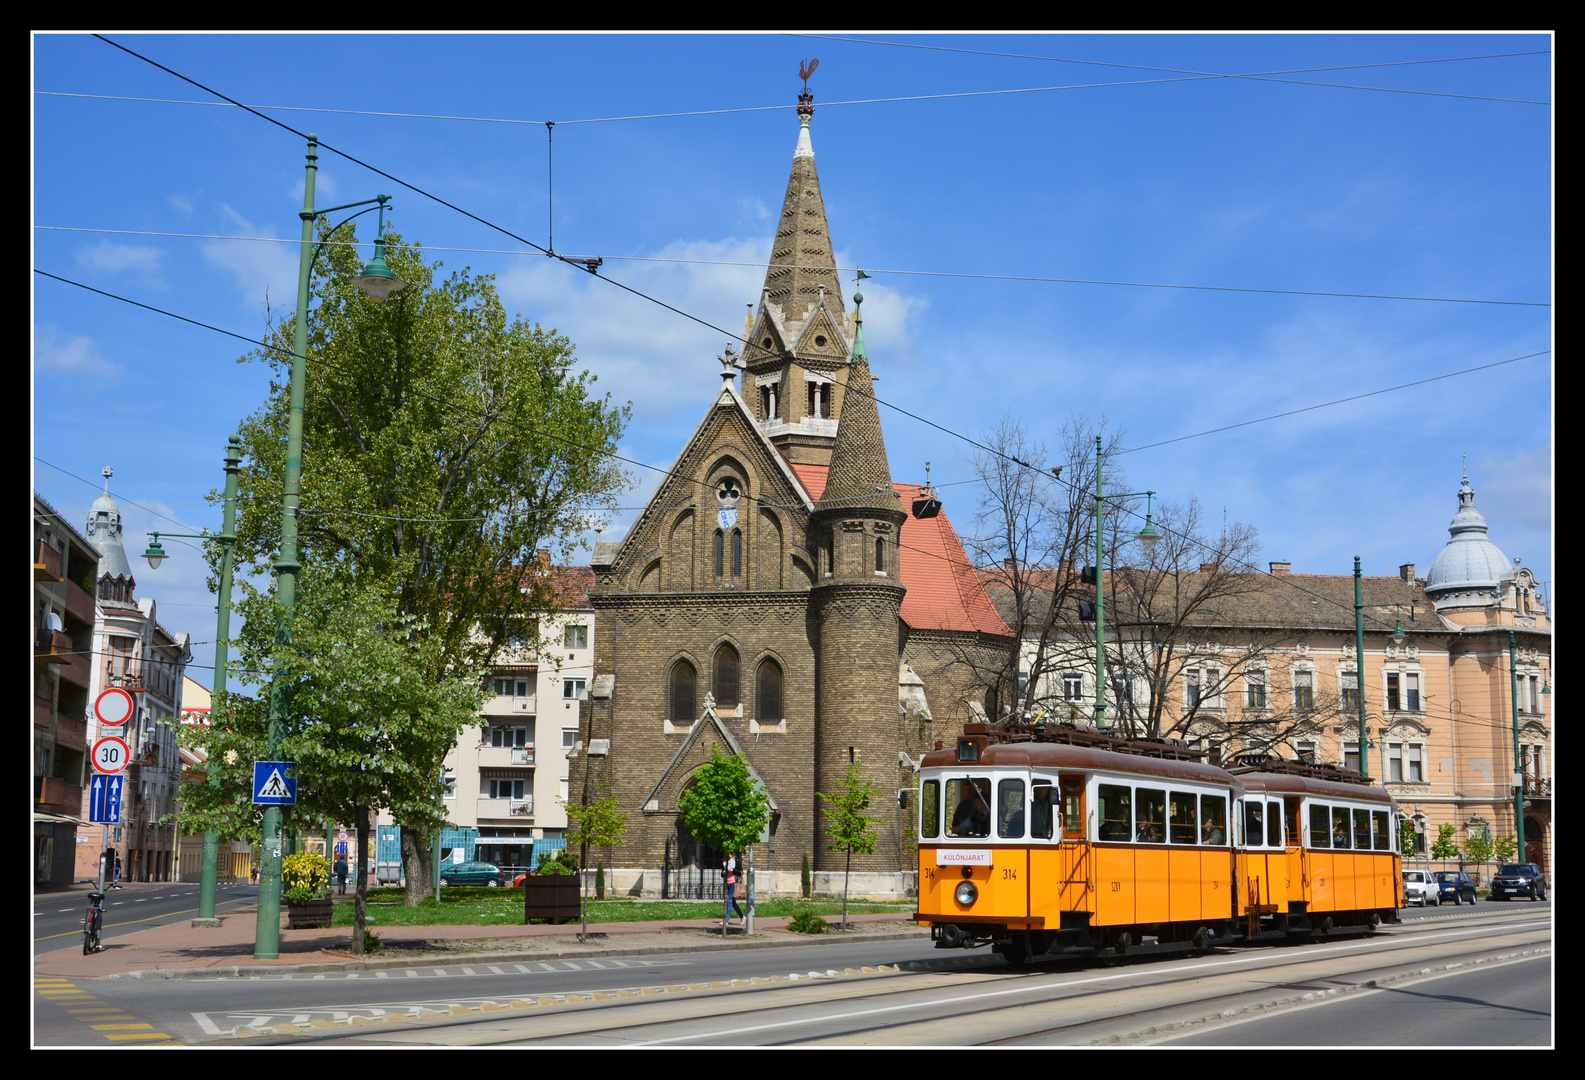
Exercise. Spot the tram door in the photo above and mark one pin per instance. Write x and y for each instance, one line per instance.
(1077, 890)
(1046, 864)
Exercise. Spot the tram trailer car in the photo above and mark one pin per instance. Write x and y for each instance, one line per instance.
(1051, 840)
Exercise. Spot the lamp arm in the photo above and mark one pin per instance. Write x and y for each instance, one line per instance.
(321, 213)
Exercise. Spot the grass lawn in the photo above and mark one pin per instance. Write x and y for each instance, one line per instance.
(478, 906)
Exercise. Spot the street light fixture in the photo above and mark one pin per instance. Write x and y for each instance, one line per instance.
(210, 867)
(378, 282)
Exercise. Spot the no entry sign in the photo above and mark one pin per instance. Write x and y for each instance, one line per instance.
(113, 707)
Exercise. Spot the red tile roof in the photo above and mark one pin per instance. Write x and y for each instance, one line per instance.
(944, 592)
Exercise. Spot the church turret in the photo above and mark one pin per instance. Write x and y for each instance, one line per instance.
(104, 531)
(857, 601)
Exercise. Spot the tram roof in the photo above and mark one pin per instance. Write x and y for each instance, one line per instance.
(1043, 755)
(1289, 784)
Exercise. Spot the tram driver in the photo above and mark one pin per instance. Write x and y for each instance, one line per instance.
(973, 814)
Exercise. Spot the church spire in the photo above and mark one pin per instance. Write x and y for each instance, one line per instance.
(801, 260)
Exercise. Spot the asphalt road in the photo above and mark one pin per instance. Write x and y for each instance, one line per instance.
(58, 917)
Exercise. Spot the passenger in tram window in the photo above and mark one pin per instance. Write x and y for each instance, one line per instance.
(1214, 810)
(1012, 823)
(1210, 834)
(1254, 832)
(1145, 831)
(1340, 827)
(1362, 830)
(1115, 816)
(973, 814)
(1041, 814)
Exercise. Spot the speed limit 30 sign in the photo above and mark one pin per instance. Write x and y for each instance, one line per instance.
(111, 755)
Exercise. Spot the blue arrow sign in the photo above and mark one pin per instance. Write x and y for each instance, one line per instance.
(272, 785)
(104, 801)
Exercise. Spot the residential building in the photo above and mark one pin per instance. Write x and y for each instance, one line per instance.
(131, 650)
(65, 566)
(783, 598)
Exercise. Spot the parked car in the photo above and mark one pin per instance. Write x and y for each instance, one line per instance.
(1518, 879)
(1421, 887)
(1457, 886)
(471, 873)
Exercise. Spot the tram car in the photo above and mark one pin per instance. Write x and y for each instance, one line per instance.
(1051, 840)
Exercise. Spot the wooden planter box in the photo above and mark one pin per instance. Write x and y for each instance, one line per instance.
(310, 916)
(550, 896)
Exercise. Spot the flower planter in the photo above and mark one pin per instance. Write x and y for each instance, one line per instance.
(310, 915)
(550, 896)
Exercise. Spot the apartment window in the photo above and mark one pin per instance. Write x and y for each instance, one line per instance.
(1411, 691)
(1351, 756)
(1414, 758)
(564, 789)
(510, 736)
(572, 689)
(1191, 688)
(449, 784)
(1392, 691)
(503, 788)
(1255, 690)
(577, 637)
(569, 737)
(1202, 687)
(1072, 686)
(1304, 690)
(1348, 691)
(1305, 752)
(514, 688)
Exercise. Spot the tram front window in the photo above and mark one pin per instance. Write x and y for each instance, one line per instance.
(970, 798)
(1010, 798)
(1042, 806)
(929, 809)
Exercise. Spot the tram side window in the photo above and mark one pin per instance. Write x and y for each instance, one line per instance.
(1150, 819)
(1073, 807)
(1042, 810)
(1213, 819)
(970, 798)
(1381, 835)
(1181, 824)
(1362, 830)
(1274, 824)
(1320, 831)
(1340, 827)
(1254, 831)
(1291, 820)
(929, 809)
(1010, 806)
(1116, 812)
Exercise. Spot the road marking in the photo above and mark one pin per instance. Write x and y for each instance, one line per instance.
(206, 1025)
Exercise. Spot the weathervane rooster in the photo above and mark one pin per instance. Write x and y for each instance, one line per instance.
(806, 69)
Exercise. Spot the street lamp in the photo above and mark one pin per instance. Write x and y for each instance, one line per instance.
(156, 555)
(1146, 536)
(378, 282)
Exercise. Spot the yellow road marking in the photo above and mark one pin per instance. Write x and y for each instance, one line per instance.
(148, 1035)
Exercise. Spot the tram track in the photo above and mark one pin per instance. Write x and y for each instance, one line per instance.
(995, 1005)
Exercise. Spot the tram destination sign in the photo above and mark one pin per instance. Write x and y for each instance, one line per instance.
(963, 856)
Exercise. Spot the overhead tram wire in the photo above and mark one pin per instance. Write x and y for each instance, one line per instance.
(1037, 279)
(668, 473)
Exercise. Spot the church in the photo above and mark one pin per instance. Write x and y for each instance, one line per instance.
(782, 598)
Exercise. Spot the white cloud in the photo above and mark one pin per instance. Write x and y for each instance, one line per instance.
(259, 269)
(108, 257)
(59, 353)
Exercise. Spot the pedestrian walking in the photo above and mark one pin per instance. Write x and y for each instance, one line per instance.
(730, 875)
(341, 874)
(117, 883)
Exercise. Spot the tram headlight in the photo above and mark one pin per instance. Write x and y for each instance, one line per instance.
(966, 893)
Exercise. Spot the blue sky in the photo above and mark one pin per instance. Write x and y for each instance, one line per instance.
(950, 172)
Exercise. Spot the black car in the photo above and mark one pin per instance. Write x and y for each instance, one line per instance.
(1518, 879)
(1457, 886)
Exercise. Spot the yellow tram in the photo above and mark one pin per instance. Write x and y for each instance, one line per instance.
(1051, 840)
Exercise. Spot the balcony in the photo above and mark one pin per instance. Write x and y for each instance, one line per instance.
(497, 757)
(57, 795)
(42, 711)
(1535, 788)
(71, 732)
(51, 646)
(504, 705)
(505, 809)
(46, 563)
(75, 669)
(79, 603)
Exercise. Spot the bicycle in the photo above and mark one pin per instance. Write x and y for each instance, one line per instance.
(92, 924)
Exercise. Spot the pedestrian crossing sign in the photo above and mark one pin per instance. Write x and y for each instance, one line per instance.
(273, 784)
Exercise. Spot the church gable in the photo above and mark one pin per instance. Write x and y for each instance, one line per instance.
(730, 515)
(822, 339)
(767, 341)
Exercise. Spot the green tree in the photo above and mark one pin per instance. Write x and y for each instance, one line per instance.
(724, 807)
(848, 827)
(1408, 838)
(446, 445)
(373, 704)
(595, 824)
(1446, 844)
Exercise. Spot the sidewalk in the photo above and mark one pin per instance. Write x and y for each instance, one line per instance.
(179, 950)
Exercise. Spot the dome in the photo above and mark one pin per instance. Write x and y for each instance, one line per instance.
(1470, 562)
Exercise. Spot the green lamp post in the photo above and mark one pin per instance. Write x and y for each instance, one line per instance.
(1147, 536)
(1359, 659)
(156, 555)
(378, 282)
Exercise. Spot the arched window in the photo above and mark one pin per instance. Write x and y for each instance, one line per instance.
(718, 554)
(737, 554)
(725, 677)
(684, 693)
(767, 681)
(880, 556)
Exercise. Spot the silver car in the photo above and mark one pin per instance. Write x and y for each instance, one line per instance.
(1421, 887)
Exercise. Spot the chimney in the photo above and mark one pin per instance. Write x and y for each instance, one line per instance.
(1281, 567)
(1406, 571)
